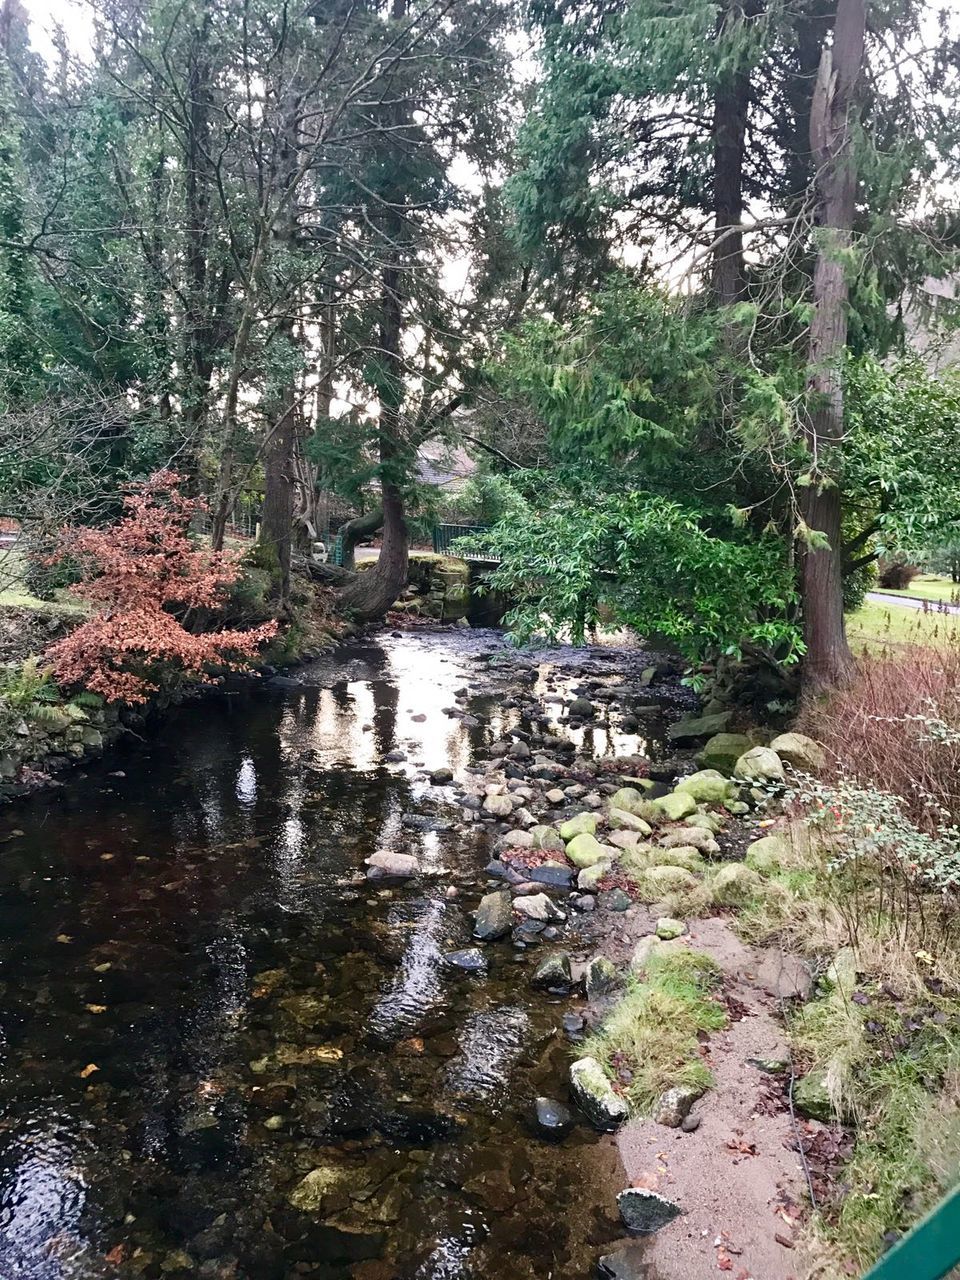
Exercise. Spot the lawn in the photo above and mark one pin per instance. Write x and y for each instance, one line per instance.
(875, 627)
(928, 586)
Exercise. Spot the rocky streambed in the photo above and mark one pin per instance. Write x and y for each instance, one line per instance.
(294, 990)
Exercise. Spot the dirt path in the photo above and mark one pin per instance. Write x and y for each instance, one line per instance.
(734, 1176)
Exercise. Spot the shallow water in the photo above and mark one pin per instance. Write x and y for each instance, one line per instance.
(201, 1002)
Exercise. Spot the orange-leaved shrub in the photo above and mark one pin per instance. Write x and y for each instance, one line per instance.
(143, 576)
(896, 727)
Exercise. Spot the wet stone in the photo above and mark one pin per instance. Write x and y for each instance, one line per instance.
(626, 1263)
(470, 960)
(494, 917)
(644, 1212)
(553, 973)
(552, 1119)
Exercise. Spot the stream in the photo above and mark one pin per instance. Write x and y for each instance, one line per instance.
(202, 1000)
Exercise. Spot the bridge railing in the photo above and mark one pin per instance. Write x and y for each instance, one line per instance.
(444, 535)
(930, 1251)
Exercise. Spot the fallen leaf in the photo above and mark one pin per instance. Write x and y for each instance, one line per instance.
(116, 1255)
(785, 1240)
(88, 1070)
(95, 1008)
(64, 937)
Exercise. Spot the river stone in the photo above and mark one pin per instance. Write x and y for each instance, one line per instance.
(760, 764)
(586, 850)
(629, 799)
(629, 1262)
(767, 855)
(308, 1195)
(616, 900)
(800, 751)
(396, 865)
(470, 959)
(624, 839)
(494, 916)
(676, 805)
(812, 1098)
(659, 881)
(674, 1105)
(643, 1212)
(553, 874)
(724, 750)
(620, 819)
(581, 709)
(588, 881)
(546, 838)
(686, 837)
(552, 1119)
(582, 824)
(734, 885)
(685, 731)
(498, 806)
(707, 786)
(518, 751)
(600, 977)
(712, 822)
(668, 928)
(595, 1096)
(553, 973)
(538, 907)
(643, 953)
(440, 777)
(514, 840)
(684, 855)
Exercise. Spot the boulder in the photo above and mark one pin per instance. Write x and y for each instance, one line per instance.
(498, 806)
(692, 730)
(673, 1105)
(494, 916)
(552, 1120)
(643, 1212)
(801, 752)
(553, 874)
(514, 840)
(616, 900)
(723, 751)
(663, 880)
(600, 977)
(686, 837)
(645, 949)
(760, 764)
(676, 805)
(629, 799)
(621, 820)
(546, 838)
(553, 973)
(734, 884)
(581, 709)
(582, 824)
(537, 906)
(470, 960)
(785, 976)
(385, 865)
(767, 855)
(441, 777)
(684, 855)
(624, 839)
(707, 787)
(594, 1094)
(588, 881)
(586, 850)
(811, 1097)
(668, 929)
(712, 822)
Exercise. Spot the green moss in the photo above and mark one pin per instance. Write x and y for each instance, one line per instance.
(653, 1029)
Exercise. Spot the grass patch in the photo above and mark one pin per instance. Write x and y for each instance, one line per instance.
(928, 586)
(907, 1153)
(876, 629)
(652, 1031)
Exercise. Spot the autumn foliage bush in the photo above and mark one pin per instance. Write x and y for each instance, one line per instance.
(152, 591)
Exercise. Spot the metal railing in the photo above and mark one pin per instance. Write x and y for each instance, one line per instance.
(929, 1251)
(444, 535)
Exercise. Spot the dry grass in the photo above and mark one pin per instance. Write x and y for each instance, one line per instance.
(897, 728)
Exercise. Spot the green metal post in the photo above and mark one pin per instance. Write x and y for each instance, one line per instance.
(927, 1252)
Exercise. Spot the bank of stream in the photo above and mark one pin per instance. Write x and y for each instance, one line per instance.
(203, 1000)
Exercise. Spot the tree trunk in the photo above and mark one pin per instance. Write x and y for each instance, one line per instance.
(729, 130)
(828, 660)
(355, 530)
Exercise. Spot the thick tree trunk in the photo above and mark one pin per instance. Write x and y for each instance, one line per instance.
(276, 529)
(829, 661)
(729, 134)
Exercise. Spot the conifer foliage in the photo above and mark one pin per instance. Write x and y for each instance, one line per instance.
(147, 581)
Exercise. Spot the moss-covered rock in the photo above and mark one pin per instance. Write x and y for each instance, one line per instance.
(801, 752)
(581, 824)
(708, 786)
(621, 819)
(585, 850)
(735, 884)
(724, 750)
(768, 854)
(594, 1094)
(760, 764)
(676, 805)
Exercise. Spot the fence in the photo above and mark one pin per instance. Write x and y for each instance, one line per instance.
(928, 1252)
(445, 534)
